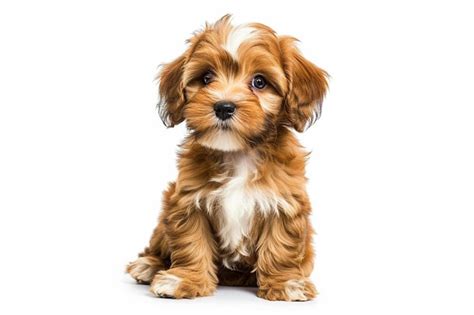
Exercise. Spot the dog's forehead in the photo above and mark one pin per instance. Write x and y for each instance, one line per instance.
(236, 36)
(237, 52)
(235, 40)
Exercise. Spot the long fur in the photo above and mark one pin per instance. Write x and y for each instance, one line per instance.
(238, 213)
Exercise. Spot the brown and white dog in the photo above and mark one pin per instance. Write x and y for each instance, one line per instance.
(238, 213)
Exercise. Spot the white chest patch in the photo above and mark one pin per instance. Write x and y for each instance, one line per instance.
(239, 199)
(237, 204)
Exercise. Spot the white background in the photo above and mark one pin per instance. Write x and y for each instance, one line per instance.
(84, 155)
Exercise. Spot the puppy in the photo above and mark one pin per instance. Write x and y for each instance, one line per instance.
(238, 213)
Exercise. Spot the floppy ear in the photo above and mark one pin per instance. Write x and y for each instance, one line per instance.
(171, 91)
(307, 86)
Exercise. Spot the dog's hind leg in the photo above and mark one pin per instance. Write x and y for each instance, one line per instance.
(153, 259)
(145, 268)
(156, 256)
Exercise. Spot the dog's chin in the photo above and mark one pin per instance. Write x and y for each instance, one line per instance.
(222, 139)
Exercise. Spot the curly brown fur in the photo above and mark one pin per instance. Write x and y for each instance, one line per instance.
(238, 213)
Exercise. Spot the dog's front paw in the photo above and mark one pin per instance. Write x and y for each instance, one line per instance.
(174, 283)
(291, 290)
(144, 268)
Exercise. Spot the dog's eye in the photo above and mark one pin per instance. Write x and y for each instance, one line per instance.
(259, 82)
(207, 77)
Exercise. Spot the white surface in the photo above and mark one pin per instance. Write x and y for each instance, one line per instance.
(84, 156)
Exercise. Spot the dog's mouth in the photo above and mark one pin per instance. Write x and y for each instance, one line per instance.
(224, 125)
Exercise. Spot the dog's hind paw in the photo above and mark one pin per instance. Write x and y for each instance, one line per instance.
(145, 268)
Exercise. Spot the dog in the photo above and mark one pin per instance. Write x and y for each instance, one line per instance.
(238, 213)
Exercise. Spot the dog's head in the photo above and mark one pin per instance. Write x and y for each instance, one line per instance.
(235, 85)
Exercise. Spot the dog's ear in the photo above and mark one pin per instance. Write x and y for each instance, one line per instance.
(307, 86)
(171, 91)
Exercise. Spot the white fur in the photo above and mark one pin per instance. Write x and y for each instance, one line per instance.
(229, 262)
(239, 200)
(142, 269)
(236, 37)
(295, 290)
(270, 103)
(223, 140)
(237, 207)
(166, 285)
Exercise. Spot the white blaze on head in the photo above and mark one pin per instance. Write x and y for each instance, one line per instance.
(237, 36)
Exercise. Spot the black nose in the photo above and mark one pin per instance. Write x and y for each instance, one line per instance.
(224, 109)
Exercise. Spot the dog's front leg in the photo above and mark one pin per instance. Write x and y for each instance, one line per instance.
(285, 259)
(193, 271)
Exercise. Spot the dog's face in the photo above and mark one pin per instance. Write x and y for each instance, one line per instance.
(235, 85)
